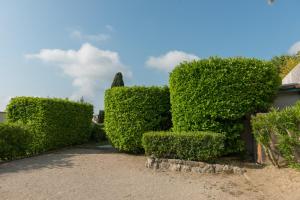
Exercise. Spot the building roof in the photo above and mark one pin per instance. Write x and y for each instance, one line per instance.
(293, 77)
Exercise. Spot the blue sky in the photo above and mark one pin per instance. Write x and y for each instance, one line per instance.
(65, 48)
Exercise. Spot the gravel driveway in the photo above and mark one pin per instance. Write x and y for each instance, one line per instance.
(82, 173)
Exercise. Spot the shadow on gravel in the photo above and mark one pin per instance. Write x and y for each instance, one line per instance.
(55, 159)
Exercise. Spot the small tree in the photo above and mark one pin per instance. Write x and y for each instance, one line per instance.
(285, 63)
(101, 117)
(118, 80)
(81, 99)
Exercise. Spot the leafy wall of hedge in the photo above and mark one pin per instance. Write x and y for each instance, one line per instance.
(215, 94)
(131, 111)
(198, 146)
(53, 122)
(279, 133)
(15, 141)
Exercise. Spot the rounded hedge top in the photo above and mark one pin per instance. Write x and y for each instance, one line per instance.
(220, 89)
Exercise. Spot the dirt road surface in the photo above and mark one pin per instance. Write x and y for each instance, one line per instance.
(102, 173)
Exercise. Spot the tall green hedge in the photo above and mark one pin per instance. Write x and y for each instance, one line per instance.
(215, 94)
(198, 146)
(53, 122)
(131, 111)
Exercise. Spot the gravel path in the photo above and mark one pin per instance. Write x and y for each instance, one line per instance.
(104, 174)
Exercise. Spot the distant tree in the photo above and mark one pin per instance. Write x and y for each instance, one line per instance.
(285, 63)
(81, 99)
(101, 117)
(118, 80)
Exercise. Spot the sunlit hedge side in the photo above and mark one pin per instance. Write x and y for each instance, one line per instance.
(216, 93)
(54, 123)
(131, 111)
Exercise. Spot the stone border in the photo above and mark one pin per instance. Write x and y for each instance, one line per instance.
(192, 166)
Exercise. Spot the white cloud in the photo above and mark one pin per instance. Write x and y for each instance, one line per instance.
(92, 38)
(89, 67)
(295, 48)
(4, 100)
(169, 60)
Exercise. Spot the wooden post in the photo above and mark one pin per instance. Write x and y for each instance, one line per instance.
(259, 154)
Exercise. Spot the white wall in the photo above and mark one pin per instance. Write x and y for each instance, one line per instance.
(285, 99)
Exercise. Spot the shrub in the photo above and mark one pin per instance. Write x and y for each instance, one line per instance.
(101, 117)
(198, 146)
(279, 132)
(286, 63)
(215, 94)
(97, 133)
(118, 80)
(15, 140)
(54, 122)
(131, 111)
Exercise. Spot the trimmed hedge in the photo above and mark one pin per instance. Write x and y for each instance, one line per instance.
(131, 111)
(15, 140)
(279, 132)
(53, 122)
(198, 146)
(215, 94)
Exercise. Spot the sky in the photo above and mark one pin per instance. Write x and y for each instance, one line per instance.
(69, 49)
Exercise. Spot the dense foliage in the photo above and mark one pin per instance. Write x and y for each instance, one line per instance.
(15, 140)
(97, 133)
(285, 63)
(131, 111)
(53, 122)
(198, 146)
(279, 133)
(215, 94)
(118, 80)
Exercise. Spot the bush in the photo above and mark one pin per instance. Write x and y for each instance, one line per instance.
(279, 132)
(15, 140)
(54, 123)
(198, 146)
(97, 133)
(131, 111)
(215, 94)
(286, 63)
